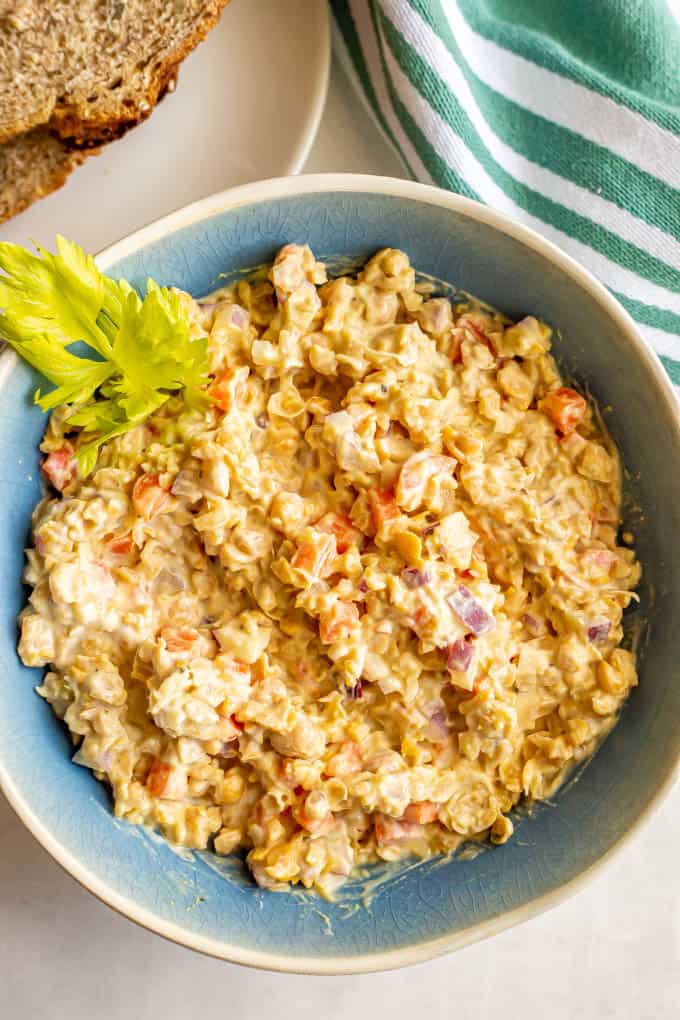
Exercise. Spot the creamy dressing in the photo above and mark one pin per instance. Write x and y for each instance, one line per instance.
(362, 606)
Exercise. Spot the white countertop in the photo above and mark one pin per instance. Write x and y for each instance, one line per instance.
(610, 953)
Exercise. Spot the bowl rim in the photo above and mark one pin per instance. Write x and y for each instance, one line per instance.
(310, 184)
(319, 91)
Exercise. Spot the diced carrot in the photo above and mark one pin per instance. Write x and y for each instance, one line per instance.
(345, 761)
(318, 826)
(226, 390)
(315, 817)
(305, 557)
(148, 496)
(421, 616)
(383, 507)
(465, 322)
(416, 473)
(157, 779)
(234, 666)
(120, 546)
(386, 829)
(259, 669)
(421, 813)
(566, 407)
(179, 639)
(341, 527)
(316, 557)
(392, 830)
(337, 621)
(60, 467)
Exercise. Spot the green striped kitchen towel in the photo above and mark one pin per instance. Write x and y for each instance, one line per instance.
(563, 113)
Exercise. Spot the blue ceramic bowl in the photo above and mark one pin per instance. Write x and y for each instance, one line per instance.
(407, 914)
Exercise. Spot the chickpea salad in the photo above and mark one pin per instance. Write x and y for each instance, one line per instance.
(346, 587)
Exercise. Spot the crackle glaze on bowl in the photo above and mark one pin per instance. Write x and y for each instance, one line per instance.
(409, 913)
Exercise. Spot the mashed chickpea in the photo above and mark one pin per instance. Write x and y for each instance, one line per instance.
(362, 605)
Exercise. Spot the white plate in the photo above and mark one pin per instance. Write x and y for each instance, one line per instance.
(247, 107)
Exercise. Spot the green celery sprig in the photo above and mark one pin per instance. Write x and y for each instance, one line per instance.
(142, 350)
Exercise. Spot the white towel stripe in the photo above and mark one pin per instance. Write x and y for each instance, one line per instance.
(663, 343)
(347, 64)
(370, 46)
(453, 150)
(565, 102)
(606, 214)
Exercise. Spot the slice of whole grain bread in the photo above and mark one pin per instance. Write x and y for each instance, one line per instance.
(92, 68)
(31, 166)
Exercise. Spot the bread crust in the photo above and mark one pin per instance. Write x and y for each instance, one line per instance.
(82, 134)
(81, 129)
(14, 200)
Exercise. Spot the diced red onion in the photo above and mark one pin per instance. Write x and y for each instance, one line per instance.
(471, 612)
(599, 632)
(216, 304)
(168, 582)
(532, 624)
(414, 578)
(239, 316)
(362, 585)
(459, 654)
(438, 728)
(436, 315)
(357, 691)
(101, 762)
(228, 750)
(184, 484)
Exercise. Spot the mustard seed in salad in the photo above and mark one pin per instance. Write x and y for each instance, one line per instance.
(358, 607)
